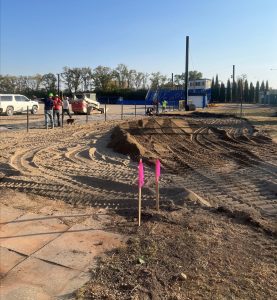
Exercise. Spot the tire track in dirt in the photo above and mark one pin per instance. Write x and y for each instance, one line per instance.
(205, 177)
(64, 167)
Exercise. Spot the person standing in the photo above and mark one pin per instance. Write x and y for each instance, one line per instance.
(164, 105)
(57, 110)
(48, 111)
(66, 106)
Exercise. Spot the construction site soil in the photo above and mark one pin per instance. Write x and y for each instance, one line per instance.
(215, 235)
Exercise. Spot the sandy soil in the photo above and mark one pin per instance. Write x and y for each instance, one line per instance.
(223, 160)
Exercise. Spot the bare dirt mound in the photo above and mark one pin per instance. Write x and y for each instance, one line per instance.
(223, 159)
(123, 142)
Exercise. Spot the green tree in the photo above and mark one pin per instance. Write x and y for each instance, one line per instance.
(262, 88)
(240, 90)
(257, 92)
(251, 93)
(216, 89)
(49, 82)
(102, 77)
(138, 79)
(267, 86)
(212, 91)
(121, 73)
(246, 91)
(73, 78)
(86, 78)
(179, 79)
(157, 79)
(222, 93)
(8, 84)
(228, 91)
(195, 75)
(234, 92)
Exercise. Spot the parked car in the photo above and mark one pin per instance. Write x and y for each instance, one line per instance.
(11, 103)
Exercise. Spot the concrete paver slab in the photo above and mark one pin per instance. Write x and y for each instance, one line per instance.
(37, 276)
(8, 214)
(18, 291)
(30, 232)
(79, 246)
(8, 259)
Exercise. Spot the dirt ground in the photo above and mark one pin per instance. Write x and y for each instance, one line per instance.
(215, 237)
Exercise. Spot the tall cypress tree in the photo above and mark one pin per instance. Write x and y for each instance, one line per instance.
(266, 86)
(222, 96)
(228, 91)
(212, 91)
(246, 91)
(217, 88)
(234, 92)
(240, 90)
(262, 88)
(251, 93)
(257, 91)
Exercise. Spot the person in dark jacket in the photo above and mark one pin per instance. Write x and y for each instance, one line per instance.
(48, 111)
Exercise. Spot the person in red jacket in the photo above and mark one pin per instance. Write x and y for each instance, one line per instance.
(57, 110)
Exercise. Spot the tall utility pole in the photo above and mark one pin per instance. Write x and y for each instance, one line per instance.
(187, 73)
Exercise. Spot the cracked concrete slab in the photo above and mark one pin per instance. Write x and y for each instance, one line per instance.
(8, 214)
(79, 247)
(30, 232)
(8, 260)
(36, 279)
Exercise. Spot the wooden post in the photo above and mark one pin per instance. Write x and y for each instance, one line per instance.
(135, 110)
(140, 184)
(158, 173)
(157, 196)
(105, 112)
(62, 117)
(139, 207)
(27, 118)
(87, 116)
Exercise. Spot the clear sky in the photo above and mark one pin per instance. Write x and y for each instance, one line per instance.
(41, 36)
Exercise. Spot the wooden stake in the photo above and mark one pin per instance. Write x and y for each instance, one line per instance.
(157, 196)
(139, 207)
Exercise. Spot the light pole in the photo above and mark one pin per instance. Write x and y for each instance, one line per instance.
(59, 74)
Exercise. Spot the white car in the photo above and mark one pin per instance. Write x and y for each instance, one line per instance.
(11, 103)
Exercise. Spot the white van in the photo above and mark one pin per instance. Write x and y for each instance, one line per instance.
(11, 103)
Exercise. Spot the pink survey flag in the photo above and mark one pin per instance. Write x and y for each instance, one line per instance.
(158, 170)
(140, 174)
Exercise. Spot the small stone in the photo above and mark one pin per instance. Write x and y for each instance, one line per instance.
(183, 276)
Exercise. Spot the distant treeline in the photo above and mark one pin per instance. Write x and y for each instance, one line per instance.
(121, 82)
(237, 91)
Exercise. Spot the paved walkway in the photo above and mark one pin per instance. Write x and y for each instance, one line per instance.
(47, 255)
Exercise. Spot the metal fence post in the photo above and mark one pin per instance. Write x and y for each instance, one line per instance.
(122, 110)
(27, 118)
(145, 106)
